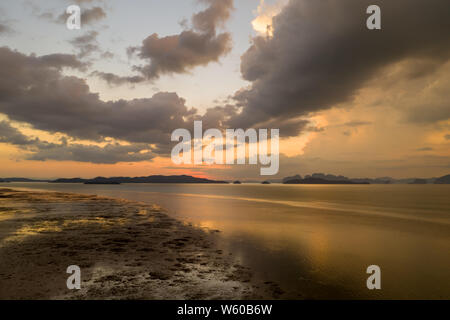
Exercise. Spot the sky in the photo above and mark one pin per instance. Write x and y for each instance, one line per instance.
(104, 100)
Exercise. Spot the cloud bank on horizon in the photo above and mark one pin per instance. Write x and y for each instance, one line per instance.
(317, 61)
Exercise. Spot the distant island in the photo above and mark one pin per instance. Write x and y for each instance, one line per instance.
(321, 178)
(149, 179)
(22, 180)
(443, 180)
(419, 181)
(102, 182)
(321, 181)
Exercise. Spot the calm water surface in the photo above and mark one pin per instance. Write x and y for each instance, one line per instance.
(316, 241)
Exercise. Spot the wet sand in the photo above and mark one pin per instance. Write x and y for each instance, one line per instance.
(126, 250)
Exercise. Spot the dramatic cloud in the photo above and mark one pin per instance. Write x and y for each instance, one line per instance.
(198, 46)
(109, 154)
(384, 93)
(215, 15)
(20, 73)
(321, 54)
(12, 135)
(56, 60)
(43, 150)
(416, 87)
(92, 15)
(265, 13)
(33, 90)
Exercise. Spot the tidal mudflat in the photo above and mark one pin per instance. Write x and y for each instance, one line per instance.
(125, 250)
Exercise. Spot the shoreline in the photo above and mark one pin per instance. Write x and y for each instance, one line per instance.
(125, 250)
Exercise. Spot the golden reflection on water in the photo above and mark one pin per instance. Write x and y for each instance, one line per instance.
(333, 247)
(277, 235)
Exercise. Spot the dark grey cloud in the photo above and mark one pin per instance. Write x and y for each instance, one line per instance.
(289, 127)
(20, 73)
(430, 112)
(321, 54)
(92, 15)
(217, 13)
(215, 117)
(197, 46)
(33, 90)
(37, 149)
(115, 80)
(109, 154)
(223, 116)
(179, 53)
(9, 134)
(59, 61)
